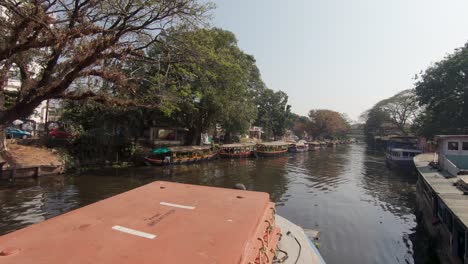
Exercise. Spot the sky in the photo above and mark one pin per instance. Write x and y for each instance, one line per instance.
(343, 55)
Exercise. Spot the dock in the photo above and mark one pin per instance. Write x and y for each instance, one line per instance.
(22, 172)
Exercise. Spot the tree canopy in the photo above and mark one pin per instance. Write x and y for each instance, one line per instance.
(214, 83)
(273, 112)
(442, 91)
(327, 124)
(58, 44)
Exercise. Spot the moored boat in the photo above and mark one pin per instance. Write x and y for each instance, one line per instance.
(167, 222)
(240, 150)
(313, 145)
(179, 155)
(401, 151)
(271, 149)
(300, 146)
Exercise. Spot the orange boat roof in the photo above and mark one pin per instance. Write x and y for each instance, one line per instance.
(161, 222)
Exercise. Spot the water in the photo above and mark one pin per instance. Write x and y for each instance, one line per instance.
(366, 213)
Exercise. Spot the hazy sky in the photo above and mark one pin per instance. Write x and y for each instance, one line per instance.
(343, 55)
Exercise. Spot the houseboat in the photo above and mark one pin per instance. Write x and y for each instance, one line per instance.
(165, 222)
(241, 150)
(300, 146)
(401, 151)
(442, 196)
(180, 155)
(271, 149)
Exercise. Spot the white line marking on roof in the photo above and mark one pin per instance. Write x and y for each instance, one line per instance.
(178, 205)
(133, 232)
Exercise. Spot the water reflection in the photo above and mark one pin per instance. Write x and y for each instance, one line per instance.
(364, 211)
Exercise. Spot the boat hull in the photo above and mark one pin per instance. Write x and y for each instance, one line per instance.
(235, 155)
(271, 153)
(178, 161)
(297, 150)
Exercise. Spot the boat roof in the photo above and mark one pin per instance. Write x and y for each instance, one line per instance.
(314, 143)
(189, 148)
(450, 136)
(274, 143)
(237, 145)
(444, 185)
(405, 150)
(161, 222)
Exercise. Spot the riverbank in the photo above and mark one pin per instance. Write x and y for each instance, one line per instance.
(25, 161)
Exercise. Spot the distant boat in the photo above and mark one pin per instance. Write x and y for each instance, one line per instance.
(179, 155)
(314, 145)
(300, 146)
(271, 149)
(240, 150)
(401, 151)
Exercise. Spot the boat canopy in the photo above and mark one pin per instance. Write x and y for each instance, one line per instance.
(273, 144)
(189, 148)
(237, 145)
(160, 150)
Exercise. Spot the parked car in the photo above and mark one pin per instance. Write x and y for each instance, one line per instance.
(12, 132)
(59, 133)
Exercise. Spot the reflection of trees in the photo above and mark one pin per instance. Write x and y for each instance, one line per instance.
(325, 168)
(263, 174)
(393, 190)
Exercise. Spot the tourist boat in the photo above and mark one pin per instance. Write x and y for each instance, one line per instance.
(441, 192)
(165, 222)
(401, 151)
(271, 149)
(240, 150)
(179, 155)
(313, 145)
(300, 146)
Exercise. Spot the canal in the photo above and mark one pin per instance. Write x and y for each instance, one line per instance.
(366, 213)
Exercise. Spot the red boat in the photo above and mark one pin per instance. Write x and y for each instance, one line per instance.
(242, 150)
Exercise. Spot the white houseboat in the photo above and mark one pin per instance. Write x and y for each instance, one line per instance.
(401, 151)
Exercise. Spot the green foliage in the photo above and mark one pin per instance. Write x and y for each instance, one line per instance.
(273, 112)
(376, 118)
(213, 83)
(442, 91)
(394, 115)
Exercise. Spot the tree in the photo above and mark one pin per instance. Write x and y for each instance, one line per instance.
(273, 112)
(375, 120)
(327, 124)
(213, 84)
(442, 91)
(298, 124)
(402, 109)
(76, 40)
